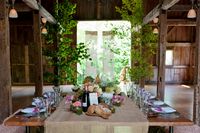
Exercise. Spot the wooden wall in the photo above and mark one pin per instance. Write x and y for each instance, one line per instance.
(181, 39)
(22, 49)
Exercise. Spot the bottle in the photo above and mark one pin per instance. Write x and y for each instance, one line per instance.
(85, 100)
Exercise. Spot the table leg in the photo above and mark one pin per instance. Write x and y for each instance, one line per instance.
(171, 129)
(27, 129)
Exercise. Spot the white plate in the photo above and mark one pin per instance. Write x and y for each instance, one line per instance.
(158, 103)
(163, 110)
(31, 110)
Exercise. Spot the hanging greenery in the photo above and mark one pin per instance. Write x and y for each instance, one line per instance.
(59, 51)
(143, 43)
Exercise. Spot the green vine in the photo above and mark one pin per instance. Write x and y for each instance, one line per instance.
(61, 55)
(143, 40)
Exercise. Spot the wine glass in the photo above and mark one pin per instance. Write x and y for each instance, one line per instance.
(39, 104)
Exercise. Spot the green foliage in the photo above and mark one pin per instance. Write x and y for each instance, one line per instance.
(143, 40)
(59, 51)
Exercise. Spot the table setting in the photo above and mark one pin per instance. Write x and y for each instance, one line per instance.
(95, 110)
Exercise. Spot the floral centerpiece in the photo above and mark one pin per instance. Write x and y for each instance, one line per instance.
(117, 100)
(76, 107)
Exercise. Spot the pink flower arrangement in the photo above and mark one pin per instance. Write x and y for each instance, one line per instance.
(69, 98)
(77, 104)
(117, 100)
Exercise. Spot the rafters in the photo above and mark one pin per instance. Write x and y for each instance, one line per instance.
(155, 12)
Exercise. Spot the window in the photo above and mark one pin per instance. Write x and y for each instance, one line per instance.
(169, 57)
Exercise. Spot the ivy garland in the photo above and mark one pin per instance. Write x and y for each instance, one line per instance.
(143, 45)
(61, 54)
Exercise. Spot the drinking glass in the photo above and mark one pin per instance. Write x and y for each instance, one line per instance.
(39, 104)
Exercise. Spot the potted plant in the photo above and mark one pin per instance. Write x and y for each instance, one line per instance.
(59, 51)
(143, 41)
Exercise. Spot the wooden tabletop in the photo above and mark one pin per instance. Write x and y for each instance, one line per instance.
(19, 119)
(172, 119)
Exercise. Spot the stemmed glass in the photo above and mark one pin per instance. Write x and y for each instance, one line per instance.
(49, 99)
(58, 92)
(39, 103)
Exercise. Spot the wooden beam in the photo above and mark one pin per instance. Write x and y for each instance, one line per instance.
(181, 8)
(155, 12)
(178, 22)
(32, 4)
(152, 14)
(22, 7)
(196, 109)
(181, 22)
(161, 54)
(44, 13)
(170, 30)
(38, 54)
(179, 44)
(5, 74)
(168, 3)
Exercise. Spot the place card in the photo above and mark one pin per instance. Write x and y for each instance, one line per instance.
(93, 98)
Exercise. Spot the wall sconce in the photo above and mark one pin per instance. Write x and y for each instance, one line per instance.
(13, 12)
(192, 12)
(44, 29)
(155, 20)
(155, 30)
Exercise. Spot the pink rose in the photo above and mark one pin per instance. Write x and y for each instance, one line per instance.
(77, 104)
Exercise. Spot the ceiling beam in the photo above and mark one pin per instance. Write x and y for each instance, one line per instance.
(179, 44)
(155, 12)
(152, 14)
(181, 8)
(178, 22)
(181, 22)
(168, 3)
(22, 7)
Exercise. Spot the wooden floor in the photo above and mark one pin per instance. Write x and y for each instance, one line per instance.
(178, 96)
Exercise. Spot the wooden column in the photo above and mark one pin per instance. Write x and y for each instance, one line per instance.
(196, 110)
(5, 74)
(38, 54)
(161, 54)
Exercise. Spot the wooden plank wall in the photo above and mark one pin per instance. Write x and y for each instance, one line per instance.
(181, 40)
(22, 49)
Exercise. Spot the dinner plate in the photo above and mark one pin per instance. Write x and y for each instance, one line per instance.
(163, 109)
(31, 110)
(158, 103)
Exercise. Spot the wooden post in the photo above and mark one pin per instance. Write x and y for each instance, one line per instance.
(161, 54)
(38, 54)
(5, 74)
(196, 110)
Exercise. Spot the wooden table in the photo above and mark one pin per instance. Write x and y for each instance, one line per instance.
(127, 118)
(172, 119)
(20, 119)
(169, 120)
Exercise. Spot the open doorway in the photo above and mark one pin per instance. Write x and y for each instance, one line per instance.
(108, 52)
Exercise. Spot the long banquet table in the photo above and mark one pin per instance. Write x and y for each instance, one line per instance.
(127, 119)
